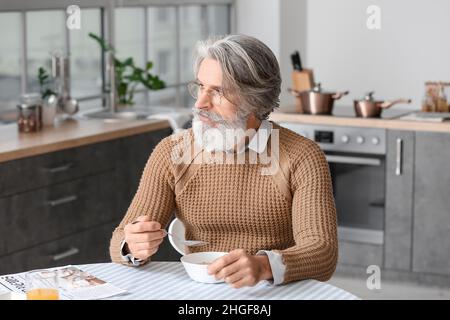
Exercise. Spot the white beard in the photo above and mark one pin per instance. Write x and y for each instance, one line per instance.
(220, 138)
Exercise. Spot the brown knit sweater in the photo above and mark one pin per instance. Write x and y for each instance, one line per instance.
(233, 206)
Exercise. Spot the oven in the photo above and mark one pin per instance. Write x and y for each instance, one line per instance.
(357, 161)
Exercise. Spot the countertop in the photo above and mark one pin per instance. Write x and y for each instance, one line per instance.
(288, 114)
(68, 134)
(75, 132)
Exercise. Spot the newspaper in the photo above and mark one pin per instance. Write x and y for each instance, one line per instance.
(74, 284)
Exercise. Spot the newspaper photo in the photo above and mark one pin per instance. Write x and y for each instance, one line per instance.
(74, 284)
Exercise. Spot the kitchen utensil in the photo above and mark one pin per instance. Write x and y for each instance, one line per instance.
(61, 75)
(316, 101)
(302, 79)
(71, 106)
(296, 61)
(371, 108)
(189, 243)
(49, 110)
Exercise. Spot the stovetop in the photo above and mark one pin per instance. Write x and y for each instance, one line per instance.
(349, 112)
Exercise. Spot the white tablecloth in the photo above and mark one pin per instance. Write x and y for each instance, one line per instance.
(169, 281)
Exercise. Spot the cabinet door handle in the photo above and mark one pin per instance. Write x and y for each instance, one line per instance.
(57, 202)
(399, 157)
(60, 168)
(65, 254)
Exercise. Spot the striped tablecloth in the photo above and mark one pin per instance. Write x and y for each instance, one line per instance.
(169, 281)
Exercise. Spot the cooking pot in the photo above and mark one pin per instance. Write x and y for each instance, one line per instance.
(371, 108)
(316, 101)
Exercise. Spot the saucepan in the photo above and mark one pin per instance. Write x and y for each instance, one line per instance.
(371, 108)
(316, 101)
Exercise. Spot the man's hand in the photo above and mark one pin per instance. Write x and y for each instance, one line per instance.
(240, 269)
(143, 237)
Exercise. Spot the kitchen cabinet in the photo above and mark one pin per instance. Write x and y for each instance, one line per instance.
(55, 167)
(62, 207)
(431, 232)
(44, 214)
(88, 246)
(359, 254)
(399, 199)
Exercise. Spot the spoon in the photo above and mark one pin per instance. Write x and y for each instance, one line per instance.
(189, 243)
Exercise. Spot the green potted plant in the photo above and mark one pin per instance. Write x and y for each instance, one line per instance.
(128, 75)
(45, 83)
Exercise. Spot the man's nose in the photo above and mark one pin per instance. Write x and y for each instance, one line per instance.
(203, 101)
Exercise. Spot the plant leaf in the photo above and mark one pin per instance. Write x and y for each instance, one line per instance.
(47, 93)
(122, 89)
(105, 46)
(128, 62)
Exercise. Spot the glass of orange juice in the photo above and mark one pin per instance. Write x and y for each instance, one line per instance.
(42, 285)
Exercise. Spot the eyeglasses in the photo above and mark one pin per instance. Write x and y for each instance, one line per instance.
(196, 89)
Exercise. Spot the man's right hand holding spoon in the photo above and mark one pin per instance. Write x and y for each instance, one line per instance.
(143, 237)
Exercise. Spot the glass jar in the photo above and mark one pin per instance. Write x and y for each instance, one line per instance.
(442, 105)
(30, 113)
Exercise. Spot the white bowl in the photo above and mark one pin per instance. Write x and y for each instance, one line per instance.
(196, 265)
(176, 228)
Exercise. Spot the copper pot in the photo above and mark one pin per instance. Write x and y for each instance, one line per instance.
(316, 101)
(371, 108)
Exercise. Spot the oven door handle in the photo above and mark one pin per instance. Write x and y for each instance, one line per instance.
(354, 160)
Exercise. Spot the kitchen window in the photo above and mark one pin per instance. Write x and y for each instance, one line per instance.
(10, 60)
(163, 62)
(163, 14)
(164, 32)
(85, 57)
(43, 39)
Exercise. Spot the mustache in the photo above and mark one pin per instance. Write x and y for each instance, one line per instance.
(215, 117)
(209, 115)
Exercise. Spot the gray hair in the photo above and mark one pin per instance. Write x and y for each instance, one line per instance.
(250, 72)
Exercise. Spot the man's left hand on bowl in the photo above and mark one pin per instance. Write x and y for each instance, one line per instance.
(240, 269)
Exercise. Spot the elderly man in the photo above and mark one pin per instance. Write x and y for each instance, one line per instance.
(279, 227)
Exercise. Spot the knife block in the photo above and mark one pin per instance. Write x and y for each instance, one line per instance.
(302, 81)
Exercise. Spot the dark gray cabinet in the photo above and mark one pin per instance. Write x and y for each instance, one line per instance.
(41, 215)
(431, 237)
(62, 207)
(55, 167)
(399, 199)
(360, 254)
(88, 246)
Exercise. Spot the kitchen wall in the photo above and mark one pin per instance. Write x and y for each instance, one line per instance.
(278, 24)
(411, 47)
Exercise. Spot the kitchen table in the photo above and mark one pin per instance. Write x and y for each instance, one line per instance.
(169, 281)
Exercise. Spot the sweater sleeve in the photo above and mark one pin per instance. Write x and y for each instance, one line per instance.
(155, 196)
(314, 225)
